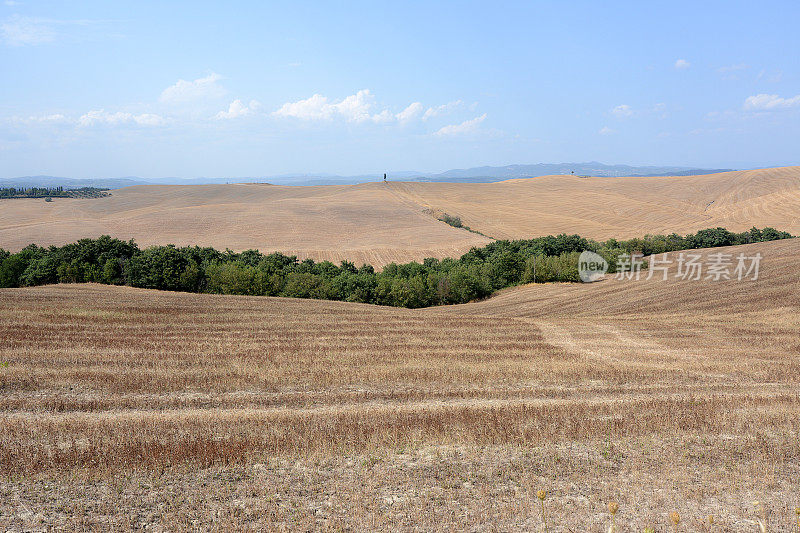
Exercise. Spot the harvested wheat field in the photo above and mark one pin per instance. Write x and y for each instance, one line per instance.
(621, 208)
(378, 223)
(124, 408)
(363, 223)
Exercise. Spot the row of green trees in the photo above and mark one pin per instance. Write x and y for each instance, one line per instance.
(706, 238)
(52, 192)
(475, 275)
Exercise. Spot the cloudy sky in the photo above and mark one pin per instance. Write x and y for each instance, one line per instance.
(226, 89)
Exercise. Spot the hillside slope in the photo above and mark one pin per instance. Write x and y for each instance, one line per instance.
(382, 222)
(776, 290)
(687, 325)
(362, 223)
(631, 390)
(602, 208)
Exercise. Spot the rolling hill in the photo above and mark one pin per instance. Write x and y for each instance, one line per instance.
(397, 221)
(602, 208)
(363, 223)
(777, 290)
(619, 390)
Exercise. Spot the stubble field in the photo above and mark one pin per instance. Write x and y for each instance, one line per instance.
(124, 408)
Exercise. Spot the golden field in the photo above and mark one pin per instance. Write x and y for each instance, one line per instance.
(363, 223)
(123, 408)
(378, 223)
(620, 208)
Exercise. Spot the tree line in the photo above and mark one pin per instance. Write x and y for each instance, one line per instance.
(52, 192)
(474, 275)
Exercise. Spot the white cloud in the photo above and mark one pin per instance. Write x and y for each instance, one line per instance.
(682, 64)
(54, 119)
(21, 31)
(410, 113)
(444, 108)
(768, 102)
(44, 119)
(100, 117)
(358, 107)
(774, 78)
(354, 108)
(238, 109)
(660, 110)
(148, 119)
(732, 68)
(188, 91)
(383, 117)
(314, 108)
(622, 111)
(605, 130)
(468, 126)
(732, 72)
(12, 3)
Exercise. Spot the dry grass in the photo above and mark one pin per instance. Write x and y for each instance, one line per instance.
(124, 408)
(601, 208)
(362, 223)
(378, 223)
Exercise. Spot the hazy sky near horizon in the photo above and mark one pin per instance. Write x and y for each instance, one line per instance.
(227, 89)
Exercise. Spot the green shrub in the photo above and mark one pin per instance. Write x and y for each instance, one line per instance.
(453, 221)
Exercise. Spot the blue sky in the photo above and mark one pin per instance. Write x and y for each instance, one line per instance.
(226, 89)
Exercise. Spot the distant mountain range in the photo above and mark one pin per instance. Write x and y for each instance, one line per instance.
(469, 175)
(592, 168)
(70, 183)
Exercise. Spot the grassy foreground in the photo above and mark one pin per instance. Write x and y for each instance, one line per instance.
(126, 408)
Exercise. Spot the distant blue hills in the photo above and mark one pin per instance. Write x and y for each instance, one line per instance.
(468, 175)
